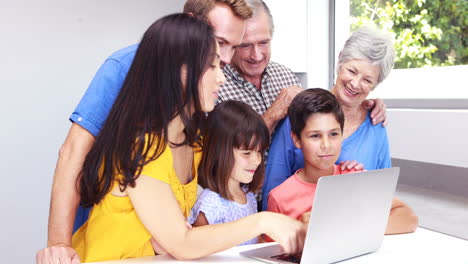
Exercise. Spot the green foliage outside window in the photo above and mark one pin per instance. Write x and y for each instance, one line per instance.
(427, 32)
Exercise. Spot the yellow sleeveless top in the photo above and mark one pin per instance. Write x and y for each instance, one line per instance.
(114, 231)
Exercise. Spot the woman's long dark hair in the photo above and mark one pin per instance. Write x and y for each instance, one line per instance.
(151, 96)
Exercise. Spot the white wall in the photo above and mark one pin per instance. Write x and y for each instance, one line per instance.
(50, 50)
(428, 83)
(318, 44)
(289, 44)
(434, 136)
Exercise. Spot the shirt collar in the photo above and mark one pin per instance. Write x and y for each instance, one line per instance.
(233, 73)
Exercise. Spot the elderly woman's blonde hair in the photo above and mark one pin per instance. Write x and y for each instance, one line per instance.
(371, 44)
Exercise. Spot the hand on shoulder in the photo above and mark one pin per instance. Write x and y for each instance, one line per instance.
(351, 165)
(378, 111)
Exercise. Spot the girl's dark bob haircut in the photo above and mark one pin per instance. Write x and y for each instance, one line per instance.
(232, 124)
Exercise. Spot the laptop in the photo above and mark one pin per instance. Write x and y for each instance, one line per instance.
(349, 218)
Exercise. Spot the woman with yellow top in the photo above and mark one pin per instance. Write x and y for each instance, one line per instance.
(141, 173)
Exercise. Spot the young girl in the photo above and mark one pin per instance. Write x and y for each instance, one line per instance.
(232, 166)
(140, 175)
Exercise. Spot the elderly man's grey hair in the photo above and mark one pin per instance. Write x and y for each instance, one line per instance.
(260, 6)
(371, 44)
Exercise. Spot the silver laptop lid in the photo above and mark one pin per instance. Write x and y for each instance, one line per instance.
(349, 215)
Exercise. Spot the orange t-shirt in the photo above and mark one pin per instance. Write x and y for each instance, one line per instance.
(294, 197)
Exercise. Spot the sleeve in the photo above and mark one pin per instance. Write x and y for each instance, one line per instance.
(291, 77)
(210, 204)
(273, 205)
(98, 99)
(385, 159)
(296, 79)
(281, 157)
(160, 168)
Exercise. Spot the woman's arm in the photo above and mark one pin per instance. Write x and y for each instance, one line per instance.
(159, 212)
(402, 219)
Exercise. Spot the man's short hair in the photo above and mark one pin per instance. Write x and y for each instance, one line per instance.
(201, 8)
(260, 6)
(312, 101)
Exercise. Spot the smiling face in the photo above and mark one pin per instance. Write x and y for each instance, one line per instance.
(246, 163)
(253, 54)
(320, 141)
(210, 83)
(356, 79)
(228, 29)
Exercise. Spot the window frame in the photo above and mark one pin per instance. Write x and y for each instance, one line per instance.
(340, 8)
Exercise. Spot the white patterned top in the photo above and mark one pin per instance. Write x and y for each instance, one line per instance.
(218, 210)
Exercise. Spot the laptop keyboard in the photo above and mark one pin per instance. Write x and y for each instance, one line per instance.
(296, 258)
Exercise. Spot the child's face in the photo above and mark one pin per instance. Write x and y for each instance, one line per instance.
(320, 141)
(245, 165)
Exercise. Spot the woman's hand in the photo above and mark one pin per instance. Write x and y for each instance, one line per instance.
(379, 111)
(351, 165)
(288, 232)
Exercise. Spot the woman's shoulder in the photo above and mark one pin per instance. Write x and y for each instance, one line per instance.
(369, 130)
(159, 161)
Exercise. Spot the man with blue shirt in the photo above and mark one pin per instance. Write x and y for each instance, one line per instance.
(228, 20)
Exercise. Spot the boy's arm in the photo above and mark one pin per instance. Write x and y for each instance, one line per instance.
(402, 218)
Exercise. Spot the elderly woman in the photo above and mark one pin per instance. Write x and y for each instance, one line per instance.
(364, 62)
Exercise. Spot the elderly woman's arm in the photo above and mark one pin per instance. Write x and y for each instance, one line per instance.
(402, 219)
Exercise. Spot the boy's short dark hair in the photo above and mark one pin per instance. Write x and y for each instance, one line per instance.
(311, 101)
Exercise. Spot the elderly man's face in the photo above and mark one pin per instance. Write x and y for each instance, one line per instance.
(228, 29)
(253, 55)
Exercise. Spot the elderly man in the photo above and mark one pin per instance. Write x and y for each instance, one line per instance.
(228, 20)
(268, 87)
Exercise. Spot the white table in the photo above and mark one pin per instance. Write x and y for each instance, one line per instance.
(422, 246)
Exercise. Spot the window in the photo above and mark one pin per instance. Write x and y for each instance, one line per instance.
(430, 42)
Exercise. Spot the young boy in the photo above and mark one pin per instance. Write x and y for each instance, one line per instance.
(316, 127)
